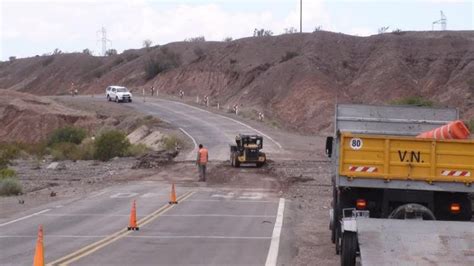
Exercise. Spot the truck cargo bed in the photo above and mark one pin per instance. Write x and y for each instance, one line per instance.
(415, 242)
(406, 158)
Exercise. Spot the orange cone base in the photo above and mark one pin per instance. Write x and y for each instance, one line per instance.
(133, 228)
(172, 202)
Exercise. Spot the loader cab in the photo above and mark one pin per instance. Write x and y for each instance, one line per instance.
(249, 142)
(247, 150)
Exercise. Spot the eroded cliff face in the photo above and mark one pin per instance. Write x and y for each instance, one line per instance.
(30, 118)
(294, 79)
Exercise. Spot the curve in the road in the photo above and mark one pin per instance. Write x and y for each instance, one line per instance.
(214, 131)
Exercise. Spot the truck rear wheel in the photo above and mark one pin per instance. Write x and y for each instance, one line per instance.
(349, 249)
(333, 223)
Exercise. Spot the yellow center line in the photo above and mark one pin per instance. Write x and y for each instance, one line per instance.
(91, 248)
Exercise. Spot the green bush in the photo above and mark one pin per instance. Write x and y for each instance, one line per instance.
(111, 144)
(163, 62)
(413, 100)
(70, 151)
(8, 152)
(170, 142)
(7, 173)
(10, 186)
(289, 55)
(86, 150)
(137, 150)
(67, 134)
(64, 151)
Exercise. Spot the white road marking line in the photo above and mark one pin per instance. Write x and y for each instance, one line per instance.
(275, 243)
(51, 236)
(170, 215)
(229, 195)
(233, 200)
(124, 195)
(88, 214)
(98, 194)
(219, 215)
(25, 217)
(200, 237)
(252, 195)
(231, 119)
(142, 236)
(194, 151)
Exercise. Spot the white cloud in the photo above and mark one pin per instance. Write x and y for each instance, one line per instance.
(72, 25)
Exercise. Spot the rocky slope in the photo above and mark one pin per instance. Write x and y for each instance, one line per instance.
(295, 79)
(29, 118)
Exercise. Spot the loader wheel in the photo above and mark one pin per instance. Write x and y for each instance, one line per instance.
(349, 249)
(236, 162)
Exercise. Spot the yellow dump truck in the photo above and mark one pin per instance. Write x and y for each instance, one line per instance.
(381, 170)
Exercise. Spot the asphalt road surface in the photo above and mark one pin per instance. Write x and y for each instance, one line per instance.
(214, 131)
(207, 226)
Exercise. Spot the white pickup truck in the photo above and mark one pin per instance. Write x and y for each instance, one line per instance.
(118, 94)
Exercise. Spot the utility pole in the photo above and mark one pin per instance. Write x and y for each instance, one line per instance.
(301, 16)
(103, 39)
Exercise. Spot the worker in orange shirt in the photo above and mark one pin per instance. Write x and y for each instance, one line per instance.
(202, 158)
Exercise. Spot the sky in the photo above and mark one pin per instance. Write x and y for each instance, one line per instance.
(37, 27)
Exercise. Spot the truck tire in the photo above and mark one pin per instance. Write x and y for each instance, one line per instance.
(334, 216)
(349, 249)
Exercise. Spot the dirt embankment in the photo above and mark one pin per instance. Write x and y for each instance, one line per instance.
(28, 118)
(294, 79)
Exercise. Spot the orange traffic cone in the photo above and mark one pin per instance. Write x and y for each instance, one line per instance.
(173, 195)
(133, 218)
(452, 130)
(39, 253)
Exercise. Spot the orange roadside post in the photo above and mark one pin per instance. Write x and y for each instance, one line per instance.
(173, 195)
(39, 252)
(133, 218)
(452, 130)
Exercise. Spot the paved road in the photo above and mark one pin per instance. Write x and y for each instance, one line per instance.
(214, 131)
(207, 227)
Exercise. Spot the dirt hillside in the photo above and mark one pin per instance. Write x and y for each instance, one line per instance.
(295, 78)
(29, 118)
